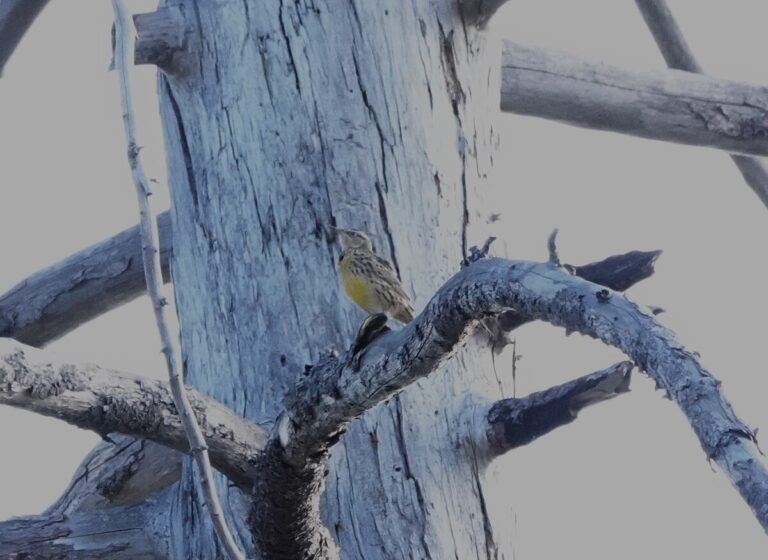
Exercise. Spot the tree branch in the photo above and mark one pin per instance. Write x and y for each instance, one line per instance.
(16, 17)
(60, 298)
(335, 391)
(105, 401)
(150, 248)
(670, 105)
(126, 472)
(618, 272)
(122, 533)
(516, 422)
(677, 54)
(480, 12)
(160, 39)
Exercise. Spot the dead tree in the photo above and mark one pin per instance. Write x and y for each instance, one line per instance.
(281, 120)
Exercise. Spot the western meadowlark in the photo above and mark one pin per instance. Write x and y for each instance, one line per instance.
(368, 280)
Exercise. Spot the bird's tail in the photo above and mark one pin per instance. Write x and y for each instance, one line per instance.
(404, 314)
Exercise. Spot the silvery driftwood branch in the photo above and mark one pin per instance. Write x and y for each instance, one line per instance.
(668, 105)
(60, 298)
(106, 401)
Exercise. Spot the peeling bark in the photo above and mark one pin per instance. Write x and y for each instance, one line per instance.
(669, 105)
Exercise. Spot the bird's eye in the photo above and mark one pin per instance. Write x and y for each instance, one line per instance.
(341, 258)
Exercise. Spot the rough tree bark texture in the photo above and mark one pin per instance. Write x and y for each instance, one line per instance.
(295, 116)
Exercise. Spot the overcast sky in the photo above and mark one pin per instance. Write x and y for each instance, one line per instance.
(628, 479)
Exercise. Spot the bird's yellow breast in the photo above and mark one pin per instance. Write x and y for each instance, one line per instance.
(357, 289)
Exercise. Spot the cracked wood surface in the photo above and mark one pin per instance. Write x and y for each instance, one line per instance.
(353, 114)
(667, 105)
(122, 533)
(105, 401)
(58, 299)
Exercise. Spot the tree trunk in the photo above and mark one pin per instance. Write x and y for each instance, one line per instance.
(294, 117)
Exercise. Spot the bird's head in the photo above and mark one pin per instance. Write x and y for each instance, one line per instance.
(353, 239)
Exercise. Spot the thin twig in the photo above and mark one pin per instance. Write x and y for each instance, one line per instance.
(554, 258)
(150, 255)
(678, 55)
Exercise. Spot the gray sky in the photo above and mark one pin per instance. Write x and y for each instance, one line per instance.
(628, 479)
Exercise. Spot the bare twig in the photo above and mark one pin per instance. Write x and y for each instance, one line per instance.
(554, 258)
(677, 54)
(476, 253)
(198, 447)
(667, 105)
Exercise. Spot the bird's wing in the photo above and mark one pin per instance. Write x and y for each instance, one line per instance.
(387, 273)
(384, 263)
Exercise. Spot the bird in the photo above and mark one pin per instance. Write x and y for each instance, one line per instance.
(369, 280)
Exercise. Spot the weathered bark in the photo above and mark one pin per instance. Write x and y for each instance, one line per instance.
(339, 389)
(479, 12)
(129, 473)
(124, 473)
(161, 39)
(122, 533)
(117, 506)
(669, 105)
(105, 401)
(678, 55)
(52, 302)
(16, 16)
(285, 519)
(261, 161)
(335, 391)
(518, 421)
